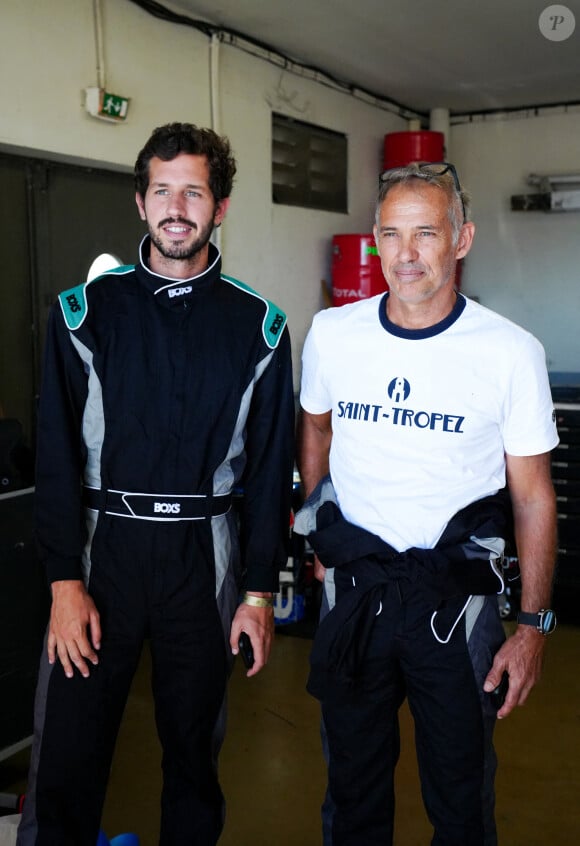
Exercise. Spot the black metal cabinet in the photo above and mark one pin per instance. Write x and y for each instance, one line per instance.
(23, 617)
(566, 478)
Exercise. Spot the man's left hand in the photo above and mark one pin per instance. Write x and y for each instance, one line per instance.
(258, 623)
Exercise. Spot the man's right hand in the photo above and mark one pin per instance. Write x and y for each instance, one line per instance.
(319, 569)
(74, 630)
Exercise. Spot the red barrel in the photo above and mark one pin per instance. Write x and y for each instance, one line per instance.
(356, 269)
(402, 148)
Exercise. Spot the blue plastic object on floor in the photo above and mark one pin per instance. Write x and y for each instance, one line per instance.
(119, 840)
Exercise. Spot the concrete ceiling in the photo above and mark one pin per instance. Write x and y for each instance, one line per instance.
(463, 55)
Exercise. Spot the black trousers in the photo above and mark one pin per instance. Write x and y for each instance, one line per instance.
(453, 724)
(149, 581)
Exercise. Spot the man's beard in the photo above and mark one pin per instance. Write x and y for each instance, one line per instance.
(177, 250)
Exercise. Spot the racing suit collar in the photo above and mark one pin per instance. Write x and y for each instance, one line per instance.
(165, 286)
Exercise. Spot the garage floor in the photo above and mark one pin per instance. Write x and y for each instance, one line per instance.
(273, 775)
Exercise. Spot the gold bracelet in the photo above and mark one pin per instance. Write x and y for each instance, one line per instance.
(258, 601)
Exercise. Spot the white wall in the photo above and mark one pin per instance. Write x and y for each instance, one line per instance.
(47, 56)
(525, 265)
(286, 251)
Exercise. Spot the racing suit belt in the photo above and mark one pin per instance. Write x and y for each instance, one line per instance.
(158, 506)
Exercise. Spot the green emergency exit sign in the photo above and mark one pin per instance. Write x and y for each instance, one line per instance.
(114, 106)
(105, 105)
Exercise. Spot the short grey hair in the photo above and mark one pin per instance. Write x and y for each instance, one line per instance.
(458, 200)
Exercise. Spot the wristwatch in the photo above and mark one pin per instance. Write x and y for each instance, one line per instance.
(544, 621)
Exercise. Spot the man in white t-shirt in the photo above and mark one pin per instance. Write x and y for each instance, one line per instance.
(419, 404)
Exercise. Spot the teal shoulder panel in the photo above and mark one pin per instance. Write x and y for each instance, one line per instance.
(73, 302)
(274, 318)
(74, 305)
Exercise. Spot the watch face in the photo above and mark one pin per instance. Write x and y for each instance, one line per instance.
(547, 621)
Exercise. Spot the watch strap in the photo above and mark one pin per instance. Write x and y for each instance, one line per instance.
(544, 621)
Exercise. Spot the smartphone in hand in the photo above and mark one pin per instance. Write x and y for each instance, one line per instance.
(246, 650)
(499, 693)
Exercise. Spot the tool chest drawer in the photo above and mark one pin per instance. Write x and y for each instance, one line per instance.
(566, 478)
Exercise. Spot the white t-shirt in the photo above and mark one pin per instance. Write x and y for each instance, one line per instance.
(422, 419)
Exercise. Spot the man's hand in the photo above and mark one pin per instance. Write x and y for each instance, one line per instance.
(521, 656)
(319, 569)
(258, 623)
(534, 509)
(74, 631)
(314, 437)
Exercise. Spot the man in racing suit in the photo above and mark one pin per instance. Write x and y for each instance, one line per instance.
(165, 385)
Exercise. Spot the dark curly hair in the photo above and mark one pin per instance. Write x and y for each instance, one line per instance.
(168, 141)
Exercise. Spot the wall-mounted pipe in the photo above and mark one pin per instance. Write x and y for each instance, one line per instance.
(98, 24)
(214, 108)
(214, 98)
(439, 122)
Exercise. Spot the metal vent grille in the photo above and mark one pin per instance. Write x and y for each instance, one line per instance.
(309, 165)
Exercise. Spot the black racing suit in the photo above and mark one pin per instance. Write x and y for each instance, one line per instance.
(159, 397)
(421, 624)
